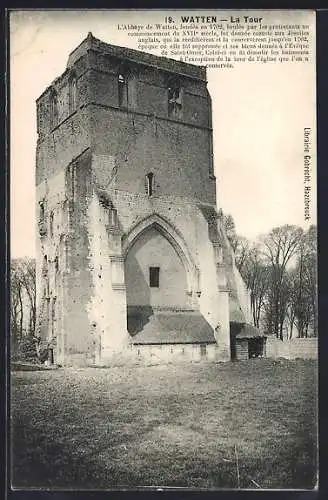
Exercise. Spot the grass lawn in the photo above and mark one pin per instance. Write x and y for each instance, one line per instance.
(174, 425)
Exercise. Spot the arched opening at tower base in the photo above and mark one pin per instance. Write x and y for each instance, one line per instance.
(161, 308)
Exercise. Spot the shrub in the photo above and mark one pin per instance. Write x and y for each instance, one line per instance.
(25, 350)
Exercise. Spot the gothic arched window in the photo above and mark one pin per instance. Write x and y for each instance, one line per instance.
(53, 109)
(72, 93)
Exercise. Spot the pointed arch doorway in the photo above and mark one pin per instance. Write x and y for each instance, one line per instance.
(158, 273)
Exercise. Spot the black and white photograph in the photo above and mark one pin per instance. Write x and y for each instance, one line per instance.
(163, 270)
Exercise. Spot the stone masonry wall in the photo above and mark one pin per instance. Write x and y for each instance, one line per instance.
(51, 261)
(177, 155)
(183, 215)
(157, 354)
(93, 163)
(291, 349)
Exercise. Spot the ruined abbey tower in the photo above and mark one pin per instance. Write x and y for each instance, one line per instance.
(131, 251)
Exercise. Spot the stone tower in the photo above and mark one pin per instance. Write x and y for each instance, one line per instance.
(131, 251)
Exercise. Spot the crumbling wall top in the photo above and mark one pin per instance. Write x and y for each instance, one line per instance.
(162, 63)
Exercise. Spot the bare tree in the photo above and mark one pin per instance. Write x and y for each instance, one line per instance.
(255, 274)
(242, 251)
(28, 281)
(16, 309)
(279, 247)
(23, 298)
(239, 244)
(304, 284)
(280, 272)
(230, 229)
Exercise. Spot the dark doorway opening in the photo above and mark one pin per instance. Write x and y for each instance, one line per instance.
(51, 356)
(256, 347)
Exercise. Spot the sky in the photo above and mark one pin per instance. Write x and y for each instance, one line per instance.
(259, 115)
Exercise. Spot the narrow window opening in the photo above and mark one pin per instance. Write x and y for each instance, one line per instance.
(53, 109)
(45, 266)
(72, 93)
(51, 224)
(112, 217)
(73, 182)
(42, 222)
(122, 90)
(41, 211)
(203, 350)
(53, 317)
(154, 277)
(150, 183)
(56, 264)
(174, 100)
